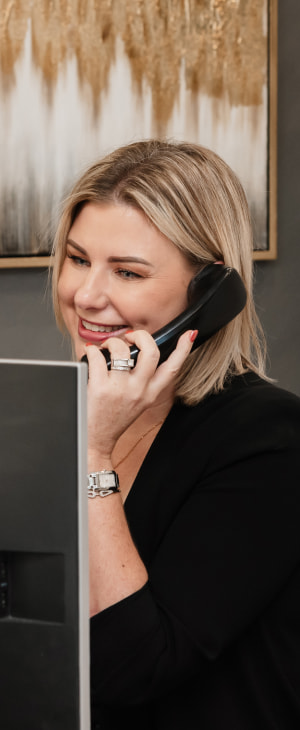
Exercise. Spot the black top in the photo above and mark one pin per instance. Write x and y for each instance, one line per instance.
(213, 639)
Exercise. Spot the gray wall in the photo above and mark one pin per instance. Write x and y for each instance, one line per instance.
(27, 326)
(278, 282)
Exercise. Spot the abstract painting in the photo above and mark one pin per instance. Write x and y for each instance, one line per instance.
(81, 77)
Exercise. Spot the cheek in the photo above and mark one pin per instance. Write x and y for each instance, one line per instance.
(64, 289)
(159, 309)
(172, 302)
(65, 301)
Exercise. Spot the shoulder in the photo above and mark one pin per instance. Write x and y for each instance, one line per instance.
(251, 396)
(263, 413)
(249, 415)
(246, 396)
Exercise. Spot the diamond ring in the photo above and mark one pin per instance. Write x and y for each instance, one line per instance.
(122, 364)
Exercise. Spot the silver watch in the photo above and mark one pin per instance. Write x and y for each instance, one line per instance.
(102, 483)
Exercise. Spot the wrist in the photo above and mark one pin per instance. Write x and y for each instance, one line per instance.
(98, 461)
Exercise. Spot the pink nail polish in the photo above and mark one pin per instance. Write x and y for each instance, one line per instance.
(193, 335)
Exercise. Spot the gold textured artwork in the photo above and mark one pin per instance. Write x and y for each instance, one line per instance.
(220, 41)
(167, 52)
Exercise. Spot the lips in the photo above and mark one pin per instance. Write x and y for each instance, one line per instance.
(92, 332)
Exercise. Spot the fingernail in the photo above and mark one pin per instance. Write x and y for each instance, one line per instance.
(87, 344)
(193, 335)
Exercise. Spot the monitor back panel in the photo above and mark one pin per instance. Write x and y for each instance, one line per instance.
(44, 672)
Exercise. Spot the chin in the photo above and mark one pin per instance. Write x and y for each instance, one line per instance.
(79, 351)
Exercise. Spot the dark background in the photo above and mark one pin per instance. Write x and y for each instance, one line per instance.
(27, 327)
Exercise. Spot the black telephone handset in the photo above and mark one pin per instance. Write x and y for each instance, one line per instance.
(215, 296)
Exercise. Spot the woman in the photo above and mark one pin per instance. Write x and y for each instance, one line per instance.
(194, 556)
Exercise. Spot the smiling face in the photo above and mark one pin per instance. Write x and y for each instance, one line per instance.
(119, 273)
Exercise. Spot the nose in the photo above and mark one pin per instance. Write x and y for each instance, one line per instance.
(92, 292)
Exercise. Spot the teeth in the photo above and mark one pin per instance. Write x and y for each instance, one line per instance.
(99, 328)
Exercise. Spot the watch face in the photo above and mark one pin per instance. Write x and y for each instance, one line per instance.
(102, 483)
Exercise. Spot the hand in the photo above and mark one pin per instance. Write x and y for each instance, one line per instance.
(117, 398)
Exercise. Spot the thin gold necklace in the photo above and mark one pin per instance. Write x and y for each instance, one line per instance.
(137, 442)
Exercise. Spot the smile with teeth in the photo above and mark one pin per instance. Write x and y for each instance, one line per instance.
(102, 328)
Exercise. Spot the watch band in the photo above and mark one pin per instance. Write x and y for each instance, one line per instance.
(102, 483)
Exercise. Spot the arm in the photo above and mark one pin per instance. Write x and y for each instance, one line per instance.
(116, 569)
(116, 400)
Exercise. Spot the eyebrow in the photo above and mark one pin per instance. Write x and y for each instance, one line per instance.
(114, 259)
(76, 245)
(128, 260)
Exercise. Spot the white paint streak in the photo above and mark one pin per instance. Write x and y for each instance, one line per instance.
(46, 142)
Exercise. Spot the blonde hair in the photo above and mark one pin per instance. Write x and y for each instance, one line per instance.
(191, 195)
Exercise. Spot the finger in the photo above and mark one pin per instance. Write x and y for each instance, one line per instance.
(149, 354)
(182, 350)
(119, 355)
(118, 348)
(96, 361)
(168, 370)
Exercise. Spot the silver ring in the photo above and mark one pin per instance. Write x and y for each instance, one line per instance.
(122, 364)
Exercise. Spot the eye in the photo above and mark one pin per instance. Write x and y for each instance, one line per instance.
(128, 274)
(77, 260)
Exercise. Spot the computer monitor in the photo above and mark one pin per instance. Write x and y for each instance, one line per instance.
(44, 617)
